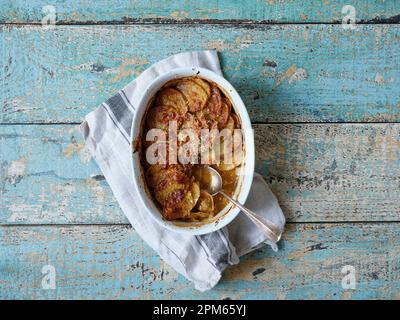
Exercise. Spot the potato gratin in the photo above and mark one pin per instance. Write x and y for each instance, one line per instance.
(192, 104)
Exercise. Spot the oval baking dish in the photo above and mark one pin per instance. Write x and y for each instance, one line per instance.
(245, 176)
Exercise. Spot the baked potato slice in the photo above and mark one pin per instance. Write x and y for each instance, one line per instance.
(154, 174)
(235, 161)
(217, 109)
(195, 190)
(236, 120)
(228, 103)
(180, 202)
(230, 124)
(190, 121)
(214, 102)
(205, 203)
(231, 161)
(223, 116)
(172, 180)
(204, 84)
(172, 98)
(159, 117)
(195, 95)
(201, 117)
(176, 205)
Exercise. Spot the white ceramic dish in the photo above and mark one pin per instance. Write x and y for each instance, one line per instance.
(247, 169)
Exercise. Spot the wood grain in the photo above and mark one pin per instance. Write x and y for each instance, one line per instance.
(319, 172)
(139, 11)
(47, 176)
(285, 73)
(111, 262)
(342, 172)
(291, 73)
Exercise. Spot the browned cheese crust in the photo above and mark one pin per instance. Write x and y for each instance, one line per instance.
(193, 103)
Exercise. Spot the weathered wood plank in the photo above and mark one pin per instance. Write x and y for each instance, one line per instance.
(111, 262)
(47, 177)
(285, 73)
(319, 172)
(332, 172)
(128, 11)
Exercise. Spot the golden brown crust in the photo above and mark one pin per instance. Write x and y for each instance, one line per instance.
(194, 104)
(160, 117)
(154, 175)
(204, 84)
(195, 95)
(180, 202)
(172, 98)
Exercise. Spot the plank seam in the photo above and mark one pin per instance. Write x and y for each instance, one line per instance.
(11, 225)
(235, 22)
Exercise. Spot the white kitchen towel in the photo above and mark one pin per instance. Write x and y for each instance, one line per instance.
(201, 259)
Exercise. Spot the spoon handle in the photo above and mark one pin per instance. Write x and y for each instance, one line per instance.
(272, 231)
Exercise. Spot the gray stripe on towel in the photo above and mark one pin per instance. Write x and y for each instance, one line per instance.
(122, 112)
(217, 250)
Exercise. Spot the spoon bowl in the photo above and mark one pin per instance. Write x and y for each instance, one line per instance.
(211, 181)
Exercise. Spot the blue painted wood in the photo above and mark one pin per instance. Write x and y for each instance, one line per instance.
(111, 262)
(285, 73)
(47, 176)
(319, 172)
(128, 11)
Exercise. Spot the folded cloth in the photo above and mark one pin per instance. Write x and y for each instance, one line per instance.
(201, 259)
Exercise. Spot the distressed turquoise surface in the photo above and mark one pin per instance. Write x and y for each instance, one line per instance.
(111, 262)
(319, 172)
(285, 73)
(128, 11)
(338, 183)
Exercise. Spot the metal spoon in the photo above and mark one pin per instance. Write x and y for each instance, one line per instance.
(215, 186)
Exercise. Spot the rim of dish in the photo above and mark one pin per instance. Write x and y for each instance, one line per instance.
(240, 108)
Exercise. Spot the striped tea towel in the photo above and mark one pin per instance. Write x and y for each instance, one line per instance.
(201, 259)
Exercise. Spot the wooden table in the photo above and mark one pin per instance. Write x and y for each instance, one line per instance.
(325, 103)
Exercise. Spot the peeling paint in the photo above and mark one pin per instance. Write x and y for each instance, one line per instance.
(298, 75)
(309, 47)
(298, 160)
(180, 15)
(292, 74)
(16, 170)
(72, 149)
(129, 67)
(90, 66)
(285, 75)
(75, 148)
(379, 79)
(318, 171)
(238, 44)
(303, 17)
(96, 188)
(20, 212)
